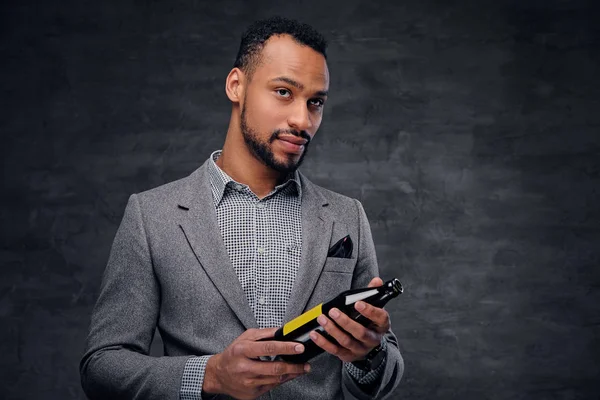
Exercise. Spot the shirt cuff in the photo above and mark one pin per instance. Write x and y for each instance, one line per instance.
(193, 379)
(363, 377)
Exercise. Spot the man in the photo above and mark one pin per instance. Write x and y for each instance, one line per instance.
(223, 257)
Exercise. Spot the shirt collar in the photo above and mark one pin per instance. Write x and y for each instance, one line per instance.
(219, 180)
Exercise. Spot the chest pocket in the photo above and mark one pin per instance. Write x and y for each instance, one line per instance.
(340, 265)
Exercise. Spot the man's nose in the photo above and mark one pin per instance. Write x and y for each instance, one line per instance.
(300, 118)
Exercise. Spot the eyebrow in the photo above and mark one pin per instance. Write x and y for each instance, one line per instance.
(297, 85)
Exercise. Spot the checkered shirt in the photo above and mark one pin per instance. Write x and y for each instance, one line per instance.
(263, 238)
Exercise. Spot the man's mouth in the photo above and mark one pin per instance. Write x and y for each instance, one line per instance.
(292, 144)
(293, 139)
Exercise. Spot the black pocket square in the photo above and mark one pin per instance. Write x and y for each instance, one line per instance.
(342, 248)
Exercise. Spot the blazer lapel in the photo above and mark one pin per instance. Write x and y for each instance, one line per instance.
(317, 227)
(201, 229)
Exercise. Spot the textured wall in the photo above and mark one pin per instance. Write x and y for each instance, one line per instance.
(468, 129)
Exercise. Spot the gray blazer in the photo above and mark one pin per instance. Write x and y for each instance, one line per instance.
(168, 268)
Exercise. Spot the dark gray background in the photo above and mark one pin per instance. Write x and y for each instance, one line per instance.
(468, 129)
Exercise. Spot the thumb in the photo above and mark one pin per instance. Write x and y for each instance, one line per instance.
(256, 334)
(375, 282)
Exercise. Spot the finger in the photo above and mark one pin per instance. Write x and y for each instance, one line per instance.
(262, 389)
(290, 377)
(257, 334)
(343, 338)
(338, 351)
(268, 380)
(375, 282)
(272, 348)
(367, 338)
(380, 319)
(278, 368)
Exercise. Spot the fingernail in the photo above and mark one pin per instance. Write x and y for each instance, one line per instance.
(322, 320)
(334, 313)
(313, 336)
(306, 368)
(299, 348)
(360, 306)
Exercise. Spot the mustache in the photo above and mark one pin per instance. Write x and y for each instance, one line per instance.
(302, 134)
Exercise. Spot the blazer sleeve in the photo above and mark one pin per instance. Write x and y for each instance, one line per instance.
(366, 269)
(116, 364)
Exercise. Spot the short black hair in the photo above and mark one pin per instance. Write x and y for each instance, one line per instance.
(259, 32)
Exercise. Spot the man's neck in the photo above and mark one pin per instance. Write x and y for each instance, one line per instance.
(244, 168)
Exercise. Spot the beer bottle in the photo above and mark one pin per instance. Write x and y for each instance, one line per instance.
(298, 329)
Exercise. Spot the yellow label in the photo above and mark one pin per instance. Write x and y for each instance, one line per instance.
(302, 319)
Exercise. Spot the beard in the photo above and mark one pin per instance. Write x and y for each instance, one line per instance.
(263, 149)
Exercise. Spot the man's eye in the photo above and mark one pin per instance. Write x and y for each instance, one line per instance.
(317, 102)
(284, 92)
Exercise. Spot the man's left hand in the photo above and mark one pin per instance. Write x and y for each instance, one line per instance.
(355, 340)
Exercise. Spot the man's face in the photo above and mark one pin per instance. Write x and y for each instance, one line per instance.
(283, 103)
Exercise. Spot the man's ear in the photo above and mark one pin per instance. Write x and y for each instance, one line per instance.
(235, 85)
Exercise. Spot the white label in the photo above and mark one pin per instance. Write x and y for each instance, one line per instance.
(353, 298)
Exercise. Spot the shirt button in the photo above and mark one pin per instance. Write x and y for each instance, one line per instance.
(261, 250)
(238, 186)
(262, 300)
(261, 205)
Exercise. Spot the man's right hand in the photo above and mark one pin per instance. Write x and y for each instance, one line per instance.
(237, 372)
